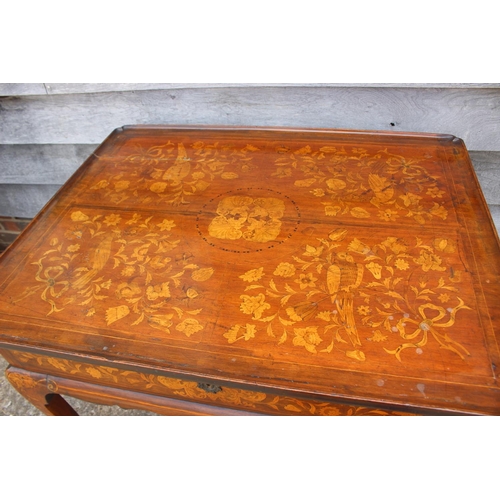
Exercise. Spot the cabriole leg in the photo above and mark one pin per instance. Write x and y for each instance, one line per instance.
(33, 387)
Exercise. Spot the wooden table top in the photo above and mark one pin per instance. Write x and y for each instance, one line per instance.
(361, 266)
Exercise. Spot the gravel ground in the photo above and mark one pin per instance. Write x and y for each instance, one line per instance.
(13, 404)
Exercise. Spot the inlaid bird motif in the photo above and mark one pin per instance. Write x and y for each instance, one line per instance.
(180, 169)
(382, 189)
(343, 277)
(98, 259)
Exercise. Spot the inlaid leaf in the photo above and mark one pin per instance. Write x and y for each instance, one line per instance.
(396, 295)
(273, 285)
(229, 175)
(358, 355)
(179, 311)
(360, 213)
(282, 338)
(115, 313)
(305, 182)
(338, 234)
(139, 320)
(203, 274)
(270, 330)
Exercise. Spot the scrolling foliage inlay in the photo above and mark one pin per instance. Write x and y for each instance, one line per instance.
(167, 174)
(185, 389)
(399, 290)
(129, 261)
(355, 182)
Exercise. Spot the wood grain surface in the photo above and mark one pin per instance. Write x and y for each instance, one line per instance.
(471, 114)
(13, 89)
(25, 170)
(334, 266)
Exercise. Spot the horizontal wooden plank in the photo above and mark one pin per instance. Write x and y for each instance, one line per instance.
(487, 167)
(17, 200)
(55, 163)
(82, 88)
(472, 114)
(41, 163)
(495, 214)
(22, 89)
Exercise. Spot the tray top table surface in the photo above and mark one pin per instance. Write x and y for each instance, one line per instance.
(339, 265)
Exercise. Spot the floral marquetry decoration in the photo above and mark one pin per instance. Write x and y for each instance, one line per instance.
(274, 271)
(244, 217)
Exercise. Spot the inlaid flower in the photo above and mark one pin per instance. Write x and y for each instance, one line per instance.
(332, 210)
(158, 187)
(282, 172)
(121, 185)
(161, 322)
(439, 211)
(429, 261)
(74, 234)
(127, 290)
(375, 269)
(238, 332)
(307, 337)
(112, 220)
(410, 199)
(100, 185)
(364, 310)
(401, 264)
(306, 280)
(139, 253)
(318, 192)
(435, 192)
(335, 184)
(285, 269)
(378, 336)
(106, 285)
(166, 225)
(358, 247)
(79, 217)
(134, 220)
(305, 182)
(445, 245)
(189, 326)
(244, 217)
(292, 314)
(128, 271)
(93, 372)
(255, 305)
(253, 275)
(157, 291)
(387, 215)
(73, 248)
(443, 298)
(313, 251)
(397, 245)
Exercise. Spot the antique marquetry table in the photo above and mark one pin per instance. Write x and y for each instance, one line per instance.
(233, 271)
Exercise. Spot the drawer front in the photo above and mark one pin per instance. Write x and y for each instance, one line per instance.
(186, 390)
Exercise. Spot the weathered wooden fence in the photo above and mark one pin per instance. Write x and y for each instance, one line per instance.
(48, 129)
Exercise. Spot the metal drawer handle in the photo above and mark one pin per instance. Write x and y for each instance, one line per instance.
(214, 389)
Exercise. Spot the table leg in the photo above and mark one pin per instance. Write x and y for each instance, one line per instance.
(33, 387)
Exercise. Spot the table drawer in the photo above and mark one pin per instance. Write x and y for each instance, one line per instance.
(255, 401)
